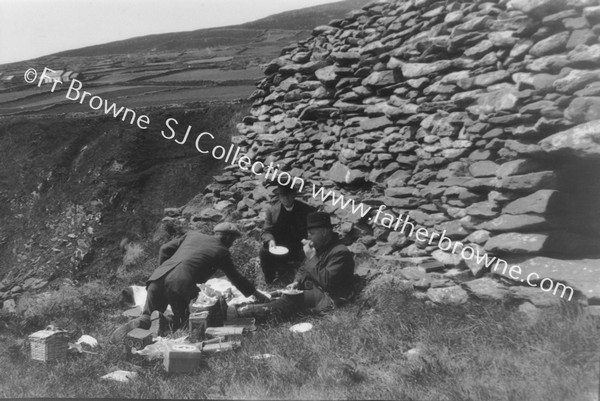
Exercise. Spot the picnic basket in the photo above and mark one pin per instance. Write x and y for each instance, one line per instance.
(49, 344)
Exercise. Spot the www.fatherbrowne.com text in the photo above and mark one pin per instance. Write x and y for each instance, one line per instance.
(273, 173)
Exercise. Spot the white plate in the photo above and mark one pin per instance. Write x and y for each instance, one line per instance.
(301, 328)
(279, 250)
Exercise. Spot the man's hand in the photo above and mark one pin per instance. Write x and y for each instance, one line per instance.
(261, 298)
(308, 249)
(271, 244)
(293, 286)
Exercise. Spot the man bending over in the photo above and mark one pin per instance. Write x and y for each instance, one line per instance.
(184, 262)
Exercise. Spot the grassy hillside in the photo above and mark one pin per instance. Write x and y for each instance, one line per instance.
(303, 19)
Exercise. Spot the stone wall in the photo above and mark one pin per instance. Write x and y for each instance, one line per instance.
(477, 118)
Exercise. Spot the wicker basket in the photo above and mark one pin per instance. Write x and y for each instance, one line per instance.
(49, 345)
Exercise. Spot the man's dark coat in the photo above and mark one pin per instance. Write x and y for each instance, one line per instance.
(192, 259)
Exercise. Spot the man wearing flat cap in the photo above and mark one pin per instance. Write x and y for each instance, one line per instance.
(285, 225)
(326, 276)
(184, 262)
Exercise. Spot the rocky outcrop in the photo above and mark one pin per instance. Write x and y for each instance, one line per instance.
(475, 118)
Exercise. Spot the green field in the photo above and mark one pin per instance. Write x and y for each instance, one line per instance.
(210, 74)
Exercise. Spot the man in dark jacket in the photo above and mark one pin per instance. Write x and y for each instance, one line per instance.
(326, 276)
(184, 262)
(285, 225)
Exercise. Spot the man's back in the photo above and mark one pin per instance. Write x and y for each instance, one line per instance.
(196, 258)
(192, 259)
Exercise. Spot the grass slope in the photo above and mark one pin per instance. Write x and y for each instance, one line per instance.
(480, 351)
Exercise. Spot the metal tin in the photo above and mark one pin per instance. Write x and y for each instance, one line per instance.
(198, 322)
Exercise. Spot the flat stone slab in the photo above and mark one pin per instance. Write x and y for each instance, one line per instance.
(448, 295)
(487, 288)
(583, 274)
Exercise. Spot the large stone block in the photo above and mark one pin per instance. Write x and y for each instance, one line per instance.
(398, 179)
(585, 54)
(416, 70)
(550, 45)
(487, 289)
(482, 209)
(447, 258)
(581, 141)
(548, 64)
(583, 109)
(516, 243)
(484, 168)
(328, 75)
(581, 274)
(517, 167)
(542, 201)
(448, 296)
(513, 222)
(581, 36)
(528, 182)
(341, 174)
(505, 99)
(534, 295)
(575, 80)
(537, 8)
(371, 124)
(380, 78)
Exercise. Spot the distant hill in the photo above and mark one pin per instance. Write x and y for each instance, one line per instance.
(306, 18)
(302, 19)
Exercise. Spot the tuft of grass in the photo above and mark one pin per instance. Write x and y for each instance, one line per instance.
(133, 253)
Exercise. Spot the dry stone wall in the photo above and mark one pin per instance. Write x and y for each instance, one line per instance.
(479, 119)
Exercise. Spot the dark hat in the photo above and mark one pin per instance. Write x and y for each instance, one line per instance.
(227, 228)
(318, 219)
(285, 189)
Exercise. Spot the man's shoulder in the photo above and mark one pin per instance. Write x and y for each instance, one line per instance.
(337, 247)
(197, 235)
(202, 239)
(274, 207)
(340, 248)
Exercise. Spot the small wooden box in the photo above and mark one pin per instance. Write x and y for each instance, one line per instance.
(181, 358)
(138, 339)
(227, 333)
(49, 345)
(217, 347)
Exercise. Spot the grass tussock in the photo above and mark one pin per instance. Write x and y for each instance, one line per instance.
(133, 253)
(480, 351)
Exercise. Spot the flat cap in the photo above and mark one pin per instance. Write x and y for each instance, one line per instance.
(227, 228)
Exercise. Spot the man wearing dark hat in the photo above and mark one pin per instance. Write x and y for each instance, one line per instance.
(285, 225)
(184, 262)
(326, 276)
